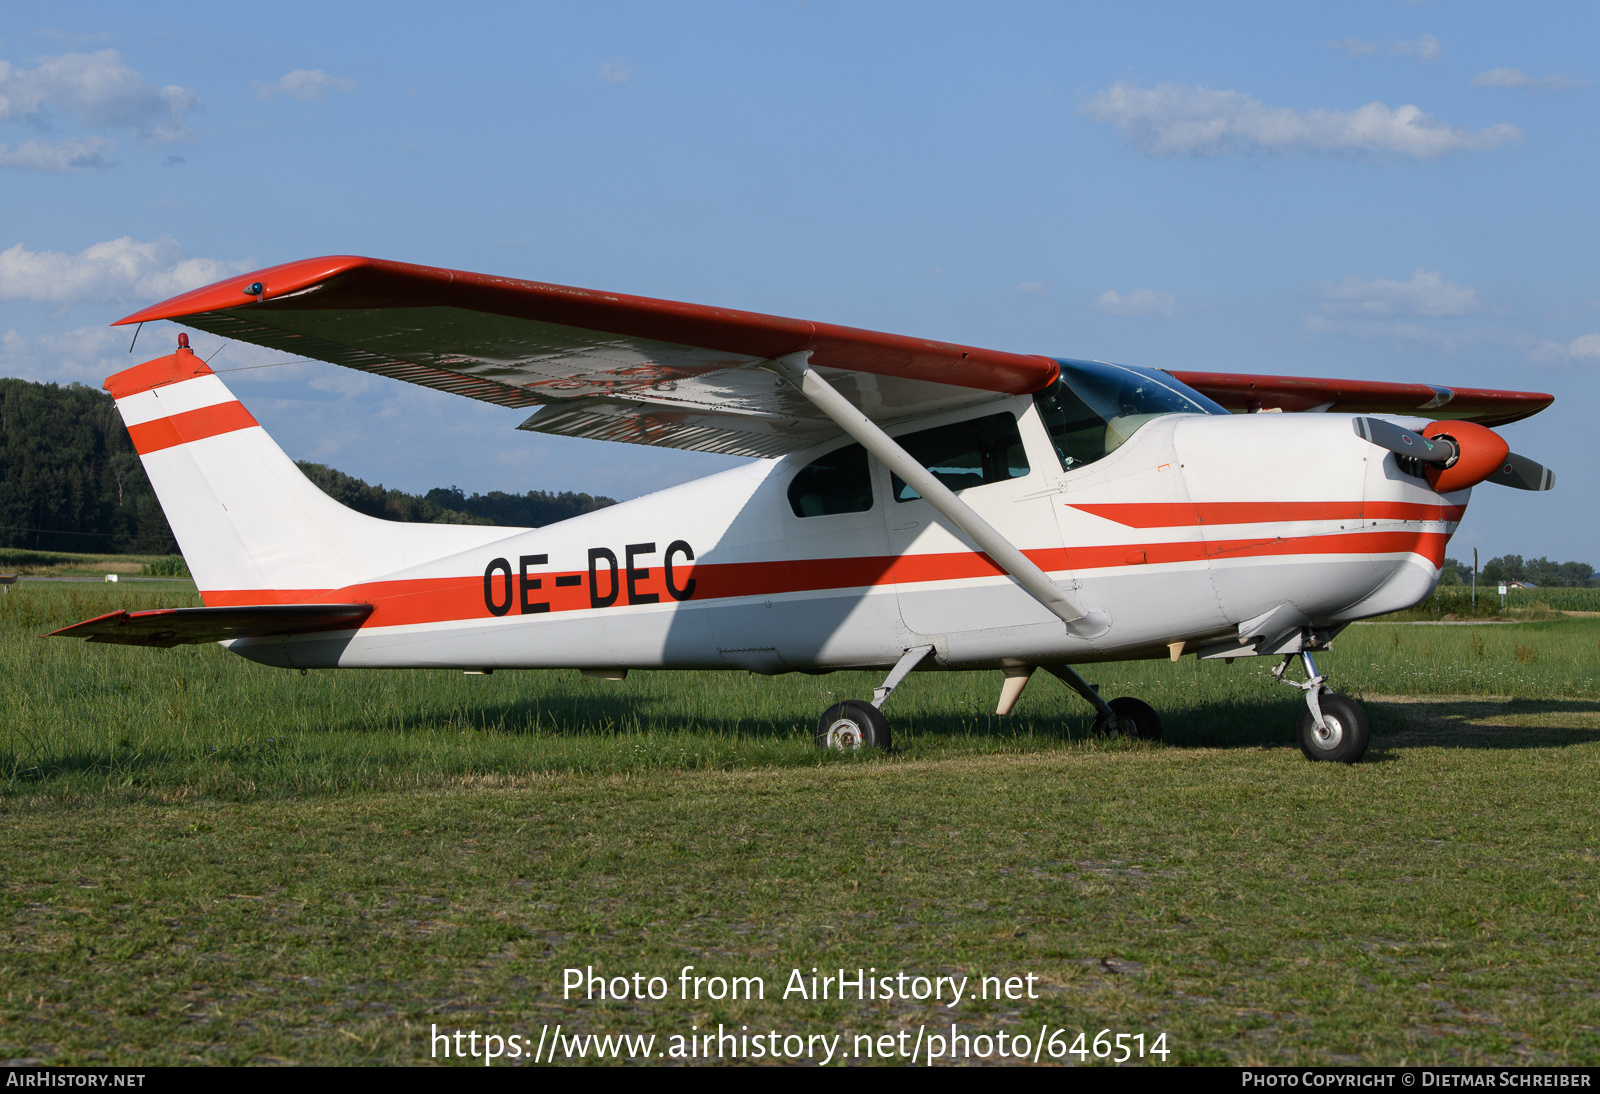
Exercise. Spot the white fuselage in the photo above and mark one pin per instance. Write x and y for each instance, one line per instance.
(1199, 529)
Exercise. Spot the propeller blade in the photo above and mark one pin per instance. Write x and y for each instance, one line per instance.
(1521, 473)
(1404, 442)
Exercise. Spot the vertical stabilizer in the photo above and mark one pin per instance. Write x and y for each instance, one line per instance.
(252, 528)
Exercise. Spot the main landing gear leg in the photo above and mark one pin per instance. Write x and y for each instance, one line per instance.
(854, 724)
(1124, 717)
(1333, 727)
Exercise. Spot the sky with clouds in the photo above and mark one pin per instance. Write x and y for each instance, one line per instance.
(1398, 191)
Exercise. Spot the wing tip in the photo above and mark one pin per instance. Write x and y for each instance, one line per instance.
(274, 281)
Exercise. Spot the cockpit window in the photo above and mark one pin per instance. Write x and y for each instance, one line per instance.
(835, 483)
(1094, 407)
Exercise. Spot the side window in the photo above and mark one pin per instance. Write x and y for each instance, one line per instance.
(963, 454)
(835, 483)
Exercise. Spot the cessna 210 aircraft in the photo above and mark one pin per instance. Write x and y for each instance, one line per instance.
(916, 504)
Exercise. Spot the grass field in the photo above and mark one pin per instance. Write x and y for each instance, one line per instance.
(18, 560)
(1455, 602)
(214, 861)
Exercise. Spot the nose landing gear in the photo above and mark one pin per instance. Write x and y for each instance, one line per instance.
(1333, 727)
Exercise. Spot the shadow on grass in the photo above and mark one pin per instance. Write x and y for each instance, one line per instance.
(592, 732)
(1486, 724)
(1237, 723)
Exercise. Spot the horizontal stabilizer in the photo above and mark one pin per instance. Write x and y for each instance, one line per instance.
(166, 627)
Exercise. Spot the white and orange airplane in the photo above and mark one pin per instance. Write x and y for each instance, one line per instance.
(915, 505)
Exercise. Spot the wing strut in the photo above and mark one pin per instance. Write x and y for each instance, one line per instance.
(1081, 623)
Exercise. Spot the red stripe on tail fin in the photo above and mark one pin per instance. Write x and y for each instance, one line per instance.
(191, 425)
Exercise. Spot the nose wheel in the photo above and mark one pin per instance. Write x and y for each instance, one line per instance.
(1332, 727)
(1343, 735)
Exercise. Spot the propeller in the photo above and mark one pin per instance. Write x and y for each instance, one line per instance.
(1403, 442)
(1458, 454)
(1521, 473)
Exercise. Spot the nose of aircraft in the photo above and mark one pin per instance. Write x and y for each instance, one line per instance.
(1457, 455)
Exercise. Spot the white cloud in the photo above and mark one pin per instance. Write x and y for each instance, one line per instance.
(1413, 333)
(78, 154)
(119, 269)
(1584, 348)
(1355, 47)
(617, 72)
(1426, 294)
(1518, 80)
(100, 90)
(1136, 302)
(1426, 49)
(1174, 120)
(86, 355)
(1032, 288)
(1418, 312)
(305, 84)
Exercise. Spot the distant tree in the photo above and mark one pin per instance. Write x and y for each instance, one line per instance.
(70, 479)
(1504, 568)
(534, 509)
(1539, 571)
(451, 505)
(1576, 573)
(375, 501)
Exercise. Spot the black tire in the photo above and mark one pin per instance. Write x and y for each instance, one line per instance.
(851, 725)
(1146, 723)
(1348, 732)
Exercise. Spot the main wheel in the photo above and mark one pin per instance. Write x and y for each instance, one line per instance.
(1345, 736)
(852, 724)
(1136, 718)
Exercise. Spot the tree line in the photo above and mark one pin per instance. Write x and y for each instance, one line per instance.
(450, 505)
(1535, 571)
(70, 480)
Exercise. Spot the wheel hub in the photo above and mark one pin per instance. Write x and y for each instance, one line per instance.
(845, 735)
(1329, 735)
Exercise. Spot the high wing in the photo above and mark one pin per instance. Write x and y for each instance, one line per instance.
(627, 368)
(1242, 393)
(600, 365)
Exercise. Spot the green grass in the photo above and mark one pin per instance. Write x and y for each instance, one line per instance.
(19, 560)
(1455, 602)
(213, 861)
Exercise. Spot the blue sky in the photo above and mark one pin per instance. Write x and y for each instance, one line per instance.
(1383, 190)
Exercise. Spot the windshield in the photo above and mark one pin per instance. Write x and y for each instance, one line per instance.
(1094, 407)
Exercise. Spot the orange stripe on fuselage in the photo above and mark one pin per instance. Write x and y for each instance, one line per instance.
(461, 599)
(191, 425)
(1183, 514)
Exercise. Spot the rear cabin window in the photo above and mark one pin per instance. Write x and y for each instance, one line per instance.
(962, 454)
(835, 483)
